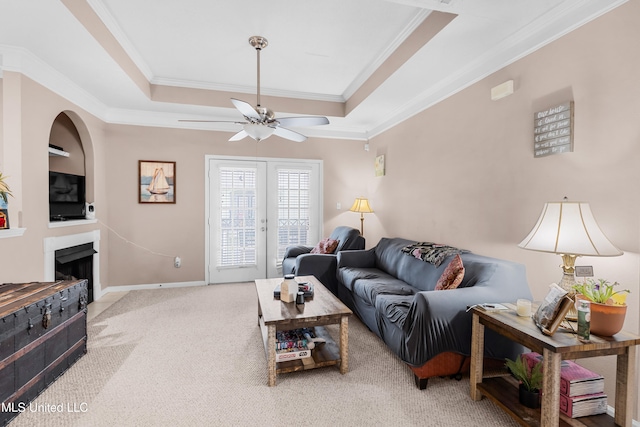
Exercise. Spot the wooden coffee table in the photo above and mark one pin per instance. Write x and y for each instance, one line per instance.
(323, 309)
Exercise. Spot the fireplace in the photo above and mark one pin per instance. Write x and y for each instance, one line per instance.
(75, 263)
(74, 255)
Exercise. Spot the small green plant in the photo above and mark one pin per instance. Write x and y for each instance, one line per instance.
(599, 291)
(530, 378)
(4, 188)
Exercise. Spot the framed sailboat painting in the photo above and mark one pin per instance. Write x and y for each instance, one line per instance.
(156, 181)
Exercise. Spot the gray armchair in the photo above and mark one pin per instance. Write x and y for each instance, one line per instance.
(300, 261)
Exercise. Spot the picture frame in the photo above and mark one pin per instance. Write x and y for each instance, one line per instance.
(553, 309)
(156, 181)
(379, 165)
(4, 219)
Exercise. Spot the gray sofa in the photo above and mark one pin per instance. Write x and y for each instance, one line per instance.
(393, 294)
(300, 261)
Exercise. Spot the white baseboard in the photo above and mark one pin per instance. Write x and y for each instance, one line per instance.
(612, 412)
(127, 288)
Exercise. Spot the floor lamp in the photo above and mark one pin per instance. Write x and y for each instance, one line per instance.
(569, 230)
(361, 205)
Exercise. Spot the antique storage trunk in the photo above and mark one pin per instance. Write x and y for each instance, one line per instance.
(43, 331)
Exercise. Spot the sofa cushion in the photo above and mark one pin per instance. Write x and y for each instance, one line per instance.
(452, 275)
(348, 275)
(381, 284)
(417, 273)
(394, 307)
(325, 246)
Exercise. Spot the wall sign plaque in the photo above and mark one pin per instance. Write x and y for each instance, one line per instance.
(553, 130)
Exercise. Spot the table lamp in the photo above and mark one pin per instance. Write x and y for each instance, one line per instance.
(569, 230)
(361, 205)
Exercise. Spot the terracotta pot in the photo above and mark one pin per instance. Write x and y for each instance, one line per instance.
(606, 320)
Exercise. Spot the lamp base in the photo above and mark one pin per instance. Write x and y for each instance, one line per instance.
(567, 283)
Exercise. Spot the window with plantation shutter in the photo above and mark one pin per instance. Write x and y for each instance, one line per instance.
(237, 217)
(293, 208)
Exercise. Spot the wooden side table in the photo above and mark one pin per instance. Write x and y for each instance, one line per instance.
(562, 345)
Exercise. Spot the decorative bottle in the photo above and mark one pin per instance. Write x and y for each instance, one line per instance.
(584, 320)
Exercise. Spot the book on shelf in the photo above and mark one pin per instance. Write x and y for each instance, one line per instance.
(583, 406)
(575, 380)
(298, 353)
(294, 344)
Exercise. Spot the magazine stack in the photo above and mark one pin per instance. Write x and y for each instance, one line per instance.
(581, 390)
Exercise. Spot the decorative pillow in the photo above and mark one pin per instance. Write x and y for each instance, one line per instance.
(452, 275)
(325, 246)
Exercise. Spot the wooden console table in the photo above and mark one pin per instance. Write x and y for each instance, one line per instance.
(562, 345)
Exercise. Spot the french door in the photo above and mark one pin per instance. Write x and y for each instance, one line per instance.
(255, 209)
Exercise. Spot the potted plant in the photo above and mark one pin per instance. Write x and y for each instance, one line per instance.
(4, 190)
(530, 379)
(608, 306)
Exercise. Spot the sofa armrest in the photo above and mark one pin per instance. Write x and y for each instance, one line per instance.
(321, 266)
(315, 264)
(440, 318)
(296, 250)
(357, 258)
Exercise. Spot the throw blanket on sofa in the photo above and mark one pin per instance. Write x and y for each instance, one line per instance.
(432, 252)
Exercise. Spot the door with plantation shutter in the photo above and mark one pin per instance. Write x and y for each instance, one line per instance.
(255, 209)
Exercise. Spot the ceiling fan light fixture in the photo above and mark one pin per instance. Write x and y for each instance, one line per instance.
(258, 131)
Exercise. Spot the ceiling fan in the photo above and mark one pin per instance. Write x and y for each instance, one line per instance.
(261, 122)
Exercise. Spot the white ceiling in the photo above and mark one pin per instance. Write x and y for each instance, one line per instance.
(318, 51)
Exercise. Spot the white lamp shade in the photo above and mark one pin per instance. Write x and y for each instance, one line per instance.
(569, 228)
(258, 132)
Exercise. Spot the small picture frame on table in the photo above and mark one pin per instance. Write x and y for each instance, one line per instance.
(156, 181)
(4, 219)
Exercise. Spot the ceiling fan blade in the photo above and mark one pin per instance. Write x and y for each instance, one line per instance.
(289, 134)
(238, 136)
(246, 109)
(213, 121)
(303, 121)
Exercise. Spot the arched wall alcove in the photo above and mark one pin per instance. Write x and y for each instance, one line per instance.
(70, 133)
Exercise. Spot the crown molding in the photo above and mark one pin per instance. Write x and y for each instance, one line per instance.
(20, 60)
(114, 28)
(251, 90)
(556, 23)
(393, 46)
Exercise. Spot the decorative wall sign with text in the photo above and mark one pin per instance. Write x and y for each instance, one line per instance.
(553, 130)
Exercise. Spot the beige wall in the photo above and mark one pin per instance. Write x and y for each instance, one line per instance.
(460, 173)
(178, 230)
(27, 119)
(463, 172)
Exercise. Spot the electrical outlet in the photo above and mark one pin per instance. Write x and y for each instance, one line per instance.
(177, 262)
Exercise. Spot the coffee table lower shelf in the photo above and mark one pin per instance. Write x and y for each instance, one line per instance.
(503, 391)
(324, 354)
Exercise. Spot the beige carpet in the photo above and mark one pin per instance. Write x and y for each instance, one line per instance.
(194, 357)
